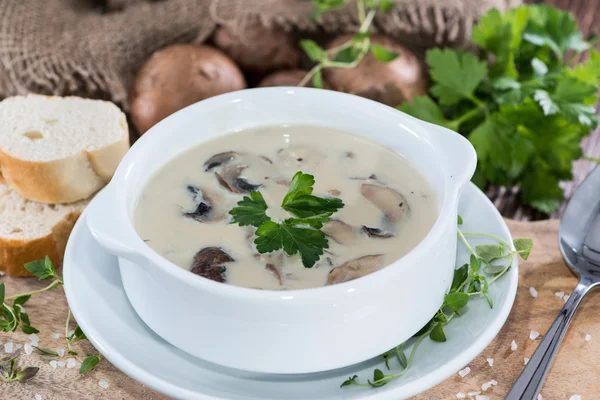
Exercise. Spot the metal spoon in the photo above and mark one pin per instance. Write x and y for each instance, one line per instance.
(579, 241)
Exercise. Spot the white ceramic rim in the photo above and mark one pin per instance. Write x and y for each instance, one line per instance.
(451, 194)
(415, 387)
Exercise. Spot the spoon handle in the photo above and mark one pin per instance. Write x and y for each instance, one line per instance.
(527, 386)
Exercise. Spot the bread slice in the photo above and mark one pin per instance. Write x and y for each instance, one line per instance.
(60, 149)
(31, 231)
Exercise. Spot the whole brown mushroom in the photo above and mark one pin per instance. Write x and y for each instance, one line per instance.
(178, 76)
(288, 77)
(389, 83)
(255, 47)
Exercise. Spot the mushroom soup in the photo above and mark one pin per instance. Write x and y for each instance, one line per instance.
(183, 210)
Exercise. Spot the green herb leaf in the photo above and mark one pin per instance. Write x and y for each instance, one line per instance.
(386, 5)
(459, 220)
(456, 301)
(456, 74)
(437, 334)
(89, 363)
(309, 243)
(42, 269)
(73, 353)
(302, 184)
(28, 329)
(47, 352)
(489, 252)
(568, 99)
(539, 67)
(493, 269)
(25, 318)
(489, 300)
(318, 80)
(347, 55)
(589, 71)
(2, 293)
(308, 205)
(26, 374)
(382, 54)
(350, 381)
(378, 378)
(313, 50)
(474, 263)
(401, 357)
(250, 210)
(316, 221)
(523, 247)
(424, 108)
(323, 6)
(21, 300)
(460, 276)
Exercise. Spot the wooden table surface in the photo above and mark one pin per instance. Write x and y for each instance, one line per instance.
(587, 13)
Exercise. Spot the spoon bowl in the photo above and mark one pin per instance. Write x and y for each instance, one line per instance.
(579, 242)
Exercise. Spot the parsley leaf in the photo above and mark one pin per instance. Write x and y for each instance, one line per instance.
(308, 205)
(309, 243)
(250, 210)
(302, 184)
(423, 107)
(456, 74)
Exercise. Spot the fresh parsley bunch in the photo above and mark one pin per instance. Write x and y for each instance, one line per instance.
(294, 235)
(516, 99)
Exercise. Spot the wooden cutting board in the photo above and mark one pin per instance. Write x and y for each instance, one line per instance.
(575, 370)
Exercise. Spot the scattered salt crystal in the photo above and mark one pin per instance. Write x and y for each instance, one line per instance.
(493, 382)
(486, 386)
(53, 364)
(513, 345)
(525, 360)
(18, 346)
(533, 335)
(71, 363)
(533, 292)
(588, 337)
(575, 397)
(56, 336)
(473, 393)
(481, 397)
(61, 363)
(70, 333)
(565, 299)
(8, 347)
(103, 384)
(460, 395)
(34, 339)
(60, 351)
(539, 396)
(490, 361)
(38, 397)
(28, 348)
(464, 372)
(560, 294)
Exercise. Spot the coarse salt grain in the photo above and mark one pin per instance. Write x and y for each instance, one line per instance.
(60, 351)
(8, 347)
(464, 372)
(61, 363)
(539, 396)
(525, 360)
(490, 361)
(486, 386)
(566, 297)
(493, 382)
(473, 393)
(575, 397)
(533, 292)
(513, 345)
(534, 335)
(28, 348)
(56, 336)
(38, 397)
(103, 384)
(34, 339)
(71, 363)
(53, 364)
(481, 397)
(460, 395)
(560, 294)
(588, 337)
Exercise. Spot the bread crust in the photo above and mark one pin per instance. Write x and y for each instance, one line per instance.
(15, 253)
(66, 180)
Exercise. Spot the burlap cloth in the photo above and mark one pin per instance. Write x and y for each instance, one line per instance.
(575, 370)
(93, 47)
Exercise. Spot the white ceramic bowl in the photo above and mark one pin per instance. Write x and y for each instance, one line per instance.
(297, 331)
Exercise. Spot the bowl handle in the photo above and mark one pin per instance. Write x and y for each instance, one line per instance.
(459, 154)
(108, 225)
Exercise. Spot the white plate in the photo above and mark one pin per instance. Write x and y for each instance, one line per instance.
(98, 302)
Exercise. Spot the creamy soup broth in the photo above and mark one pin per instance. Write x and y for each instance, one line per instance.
(344, 165)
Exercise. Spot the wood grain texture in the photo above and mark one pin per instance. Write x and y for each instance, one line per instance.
(574, 371)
